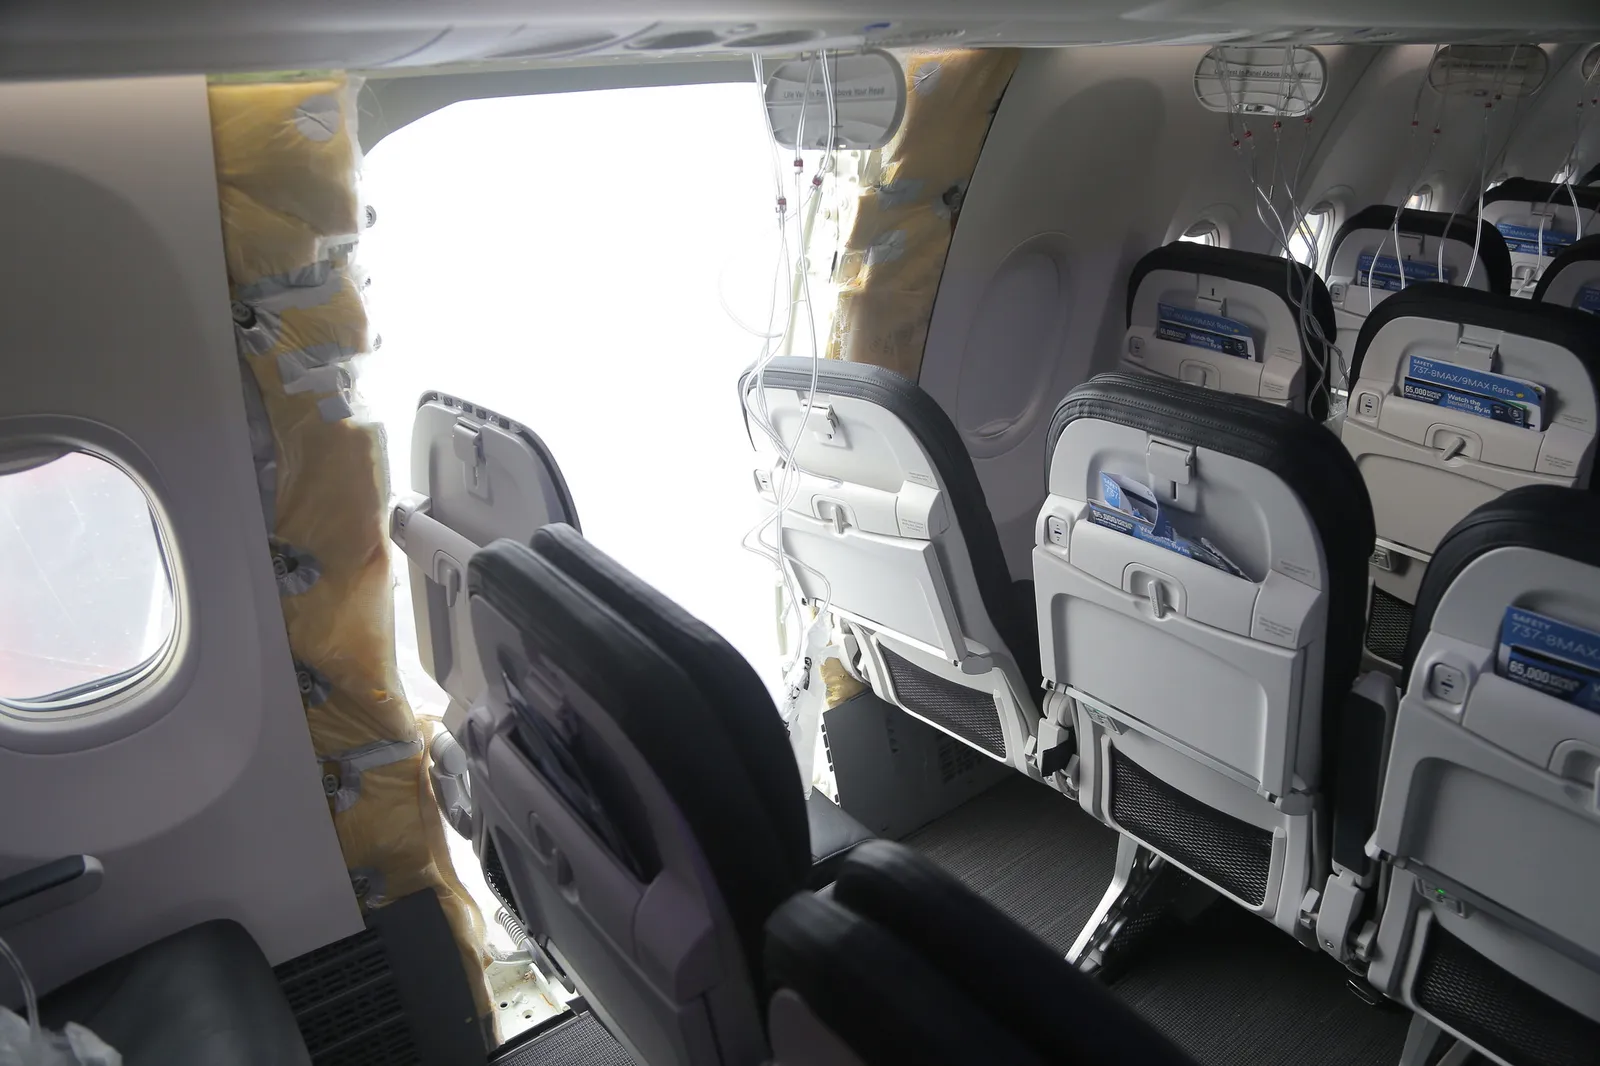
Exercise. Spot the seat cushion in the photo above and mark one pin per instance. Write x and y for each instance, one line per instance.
(1059, 1012)
(833, 835)
(1546, 518)
(1492, 250)
(878, 995)
(1017, 624)
(202, 997)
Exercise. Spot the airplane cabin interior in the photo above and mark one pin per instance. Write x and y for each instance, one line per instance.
(673, 535)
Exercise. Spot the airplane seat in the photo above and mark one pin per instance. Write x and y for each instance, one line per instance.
(1490, 811)
(1430, 452)
(903, 963)
(636, 789)
(1367, 238)
(205, 996)
(1205, 654)
(1573, 278)
(890, 530)
(1231, 320)
(1539, 220)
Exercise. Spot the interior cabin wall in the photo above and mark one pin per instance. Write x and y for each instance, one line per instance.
(199, 793)
(1099, 154)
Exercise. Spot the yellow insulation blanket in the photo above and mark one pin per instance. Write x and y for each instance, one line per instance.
(892, 261)
(286, 167)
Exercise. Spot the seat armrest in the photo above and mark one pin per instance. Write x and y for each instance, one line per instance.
(41, 889)
(833, 834)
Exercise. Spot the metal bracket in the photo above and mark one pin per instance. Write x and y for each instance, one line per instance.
(1136, 872)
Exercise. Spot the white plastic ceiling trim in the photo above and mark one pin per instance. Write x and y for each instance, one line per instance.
(48, 38)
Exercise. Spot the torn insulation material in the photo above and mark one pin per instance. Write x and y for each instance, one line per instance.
(286, 170)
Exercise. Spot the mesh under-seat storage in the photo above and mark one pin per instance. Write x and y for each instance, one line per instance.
(1490, 811)
(1539, 220)
(1205, 654)
(1457, 397)
(1366, 266)
(1241, 322)
(635, 788)
(890, 530)
(1573, 279)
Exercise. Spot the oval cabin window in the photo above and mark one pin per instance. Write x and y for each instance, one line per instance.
(88, 609)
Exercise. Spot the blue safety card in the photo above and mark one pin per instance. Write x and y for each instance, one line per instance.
(1588, 300)
(1201, 329)
(1131, 508)
(1476, 392)
(1551, 656)
(1526, 239)
(1386, 274)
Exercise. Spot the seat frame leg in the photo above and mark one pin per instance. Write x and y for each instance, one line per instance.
(1136, 873)
(1424, 1038)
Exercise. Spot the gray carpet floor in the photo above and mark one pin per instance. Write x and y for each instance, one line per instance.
(1229, 989)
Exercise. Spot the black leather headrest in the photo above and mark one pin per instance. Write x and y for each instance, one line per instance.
(1564, 327)
(1546, 518)
(1582, 251)
(1283, 277)
(1528, 191)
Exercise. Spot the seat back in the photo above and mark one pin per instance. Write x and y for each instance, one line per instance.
(905, 964)
(1539, 220)
(1491, 802)
(634, 793)
(1573, 279)
(1468, 249)
(1201, 695)
(1430, 452)
(1239, 322)
(890, 530)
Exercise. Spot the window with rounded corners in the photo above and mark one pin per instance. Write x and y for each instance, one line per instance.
(89, 608)
(1310, 238)
(1422, 199)
(1205, 233)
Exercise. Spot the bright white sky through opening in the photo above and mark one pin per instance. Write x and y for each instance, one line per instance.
(557, 259)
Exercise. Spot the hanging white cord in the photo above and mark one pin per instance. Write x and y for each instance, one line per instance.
(1496, 93)
(1416, 182)
(1569, 162)
(1317, 345)
(787, 477)
(30, 1002)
